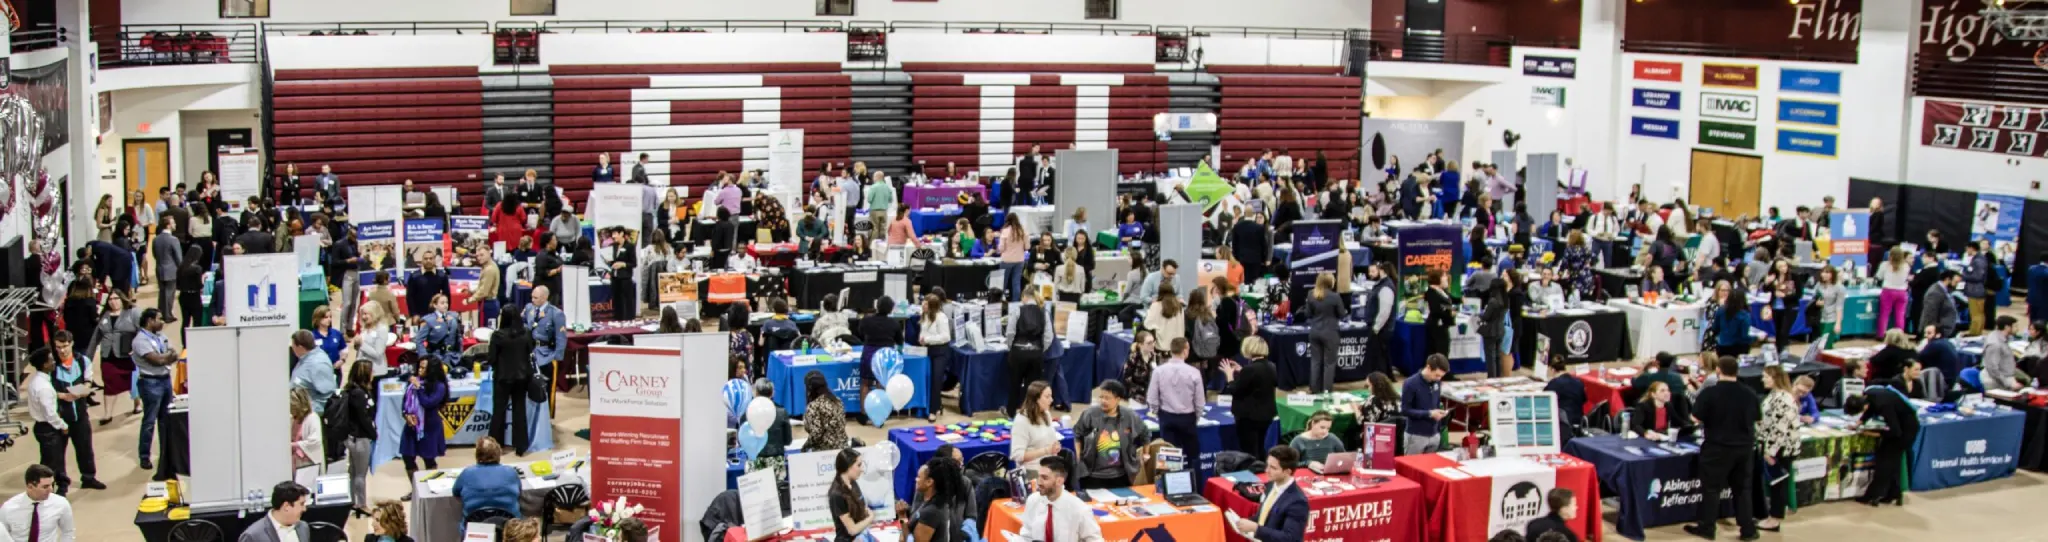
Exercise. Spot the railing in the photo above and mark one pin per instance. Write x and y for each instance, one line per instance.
(156, 45)
(1474, 49)
(1099, 29)
(1707, 49)
(377, 29)
(867, 41)
(654, 26)
(1267, 32)
(35, 40)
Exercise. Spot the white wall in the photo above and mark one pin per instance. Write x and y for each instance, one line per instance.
(1489, 108)
(432, 50)
(1059, 49)
(1971, 171)
(565, 49)
(192, 127)
(167, 110)
(1275, 13)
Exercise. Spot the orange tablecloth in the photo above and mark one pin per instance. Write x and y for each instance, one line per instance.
(1391, 510)
(1117, 526)
(1456, 510)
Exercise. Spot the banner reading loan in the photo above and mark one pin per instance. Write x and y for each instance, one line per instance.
(636, 410)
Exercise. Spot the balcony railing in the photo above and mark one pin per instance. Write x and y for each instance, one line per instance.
(656, 26)
(377, 29)
(1097, 29)
(1418, 46)
(1707, 49)
(155, 45)
(35, 40)
(1267, 32)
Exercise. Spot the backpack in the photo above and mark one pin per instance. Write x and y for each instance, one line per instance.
(1030, 331)
(1204, 337)
(334, 427)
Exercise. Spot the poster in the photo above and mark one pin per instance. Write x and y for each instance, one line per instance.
(1428, 247)
(1381, 441)
(616, 205)
(810, 477)
(674, 287)
(1982, 127)
(1316, 243)
(461, 284)
(1524, 423)
(1997, 220)
(1849, 238)
(241, 175)
(760, 504)
(786, 166)
(636, 411)
(262, 290)
(878, 481)
(424, 238)
(471, 237)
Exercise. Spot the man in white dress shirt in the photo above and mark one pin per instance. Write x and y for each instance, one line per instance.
(288, 502)
(50, 429)
(1052, 514)
(38, 514)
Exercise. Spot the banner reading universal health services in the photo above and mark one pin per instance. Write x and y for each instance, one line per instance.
(1429, 247)
(1998, 220)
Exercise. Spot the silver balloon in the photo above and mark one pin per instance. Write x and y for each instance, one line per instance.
(21, 155)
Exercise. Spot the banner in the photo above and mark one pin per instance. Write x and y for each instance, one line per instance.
(241, 175)
(1966, 450)
(376, 242)
(1520, 491)
(616, 205)
(261, 290)
(1849, 236)
(1550, 96)
(424, 238)
(1727, 134)
(1810, 112)
(461, 282)
(1997, 220)
(1360, 516)
(1809, 81)
(1655, 70)
(2009, 130)
(1550, 66)
(786, 164)
(1381, 444)
(1316, 243)
(471, 240)
(810, 478)
(1820, 144)
(1424, 248)
(1741, 76)
(1656, 98)
(1728, 106)
(1653, 127)
(636, 411)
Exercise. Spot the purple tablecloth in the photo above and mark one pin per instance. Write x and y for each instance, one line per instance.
(928, 197)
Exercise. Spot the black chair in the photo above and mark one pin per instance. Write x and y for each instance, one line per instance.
(565, 497)
(195, 530)
(327, 532)
(486, 514)
(989, 463)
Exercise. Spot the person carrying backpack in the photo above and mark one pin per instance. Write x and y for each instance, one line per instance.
(1030, 334)
(1205, 335)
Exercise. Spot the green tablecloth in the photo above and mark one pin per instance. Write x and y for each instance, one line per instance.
(1859, 313)
(309, 300)
(1848, 457)
(1294, 418)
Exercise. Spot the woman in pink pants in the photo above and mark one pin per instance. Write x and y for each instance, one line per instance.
(1893, 275)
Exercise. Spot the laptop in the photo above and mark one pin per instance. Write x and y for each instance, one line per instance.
(1178, 487)
(1339, 463)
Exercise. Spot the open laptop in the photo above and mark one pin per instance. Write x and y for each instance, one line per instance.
(1339, 463)
(1179, 489)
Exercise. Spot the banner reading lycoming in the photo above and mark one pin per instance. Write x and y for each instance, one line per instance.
(636, 412)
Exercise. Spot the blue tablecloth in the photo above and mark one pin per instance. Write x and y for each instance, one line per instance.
(1078, 373)
(985, 376)
(1859, 313)
(1411, 346)
(844, 377)
(1111, 354)
(929, 221)
(1654, 489)
(468, 411)
(1756, 320)
(1951, 453)
(1289, 347)
(1217, 433)
(915, 454)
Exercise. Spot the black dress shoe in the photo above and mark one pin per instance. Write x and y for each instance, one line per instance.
(146, 465)
(1751, 536)
(1695, 530)
(91, 483)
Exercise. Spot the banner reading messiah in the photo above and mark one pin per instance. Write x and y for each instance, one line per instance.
(1983, 127)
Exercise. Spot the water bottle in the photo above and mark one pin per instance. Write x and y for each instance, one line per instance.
(1627, 414)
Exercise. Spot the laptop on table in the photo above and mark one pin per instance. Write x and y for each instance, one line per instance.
(1179, 489)
(1338, 463)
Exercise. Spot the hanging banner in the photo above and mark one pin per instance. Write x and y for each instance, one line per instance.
(376, 242)
(1550, 66)
(1821, 144)
(1849, 236)
(1656, 98)
(471, 236)
(424, 238)
(241, 175)
(1424, 248)
(1653, 127)
(636, 422)
(1657, 70)
(1997, 221)
(2000, 129)
(1741, 76)
(1809, 81)
(261, 290)
(1810, 112)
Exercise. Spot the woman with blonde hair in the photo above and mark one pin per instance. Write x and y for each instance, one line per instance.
(1250, 386)
(1894, 276)
(387, 523)
(1068, 281)
(522, 530)
(309, 452)
(1323, 309)
(1166, 318)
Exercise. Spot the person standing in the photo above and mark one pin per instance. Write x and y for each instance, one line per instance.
(1176, 396)
(422, 287)
(153, 358)
(1778, 442)
(1937, 309)
(165, 249)
(1031, 336)
(550, 338)
(1323, 309)
(1976, 272)
(1251, 243)
(70, 372)
(1053, 514)
(1728, 413)
(360, 419)
(2037, 290)
(314, 371)
(423, 438)
(1437, 325)
(1379, 311)
(1421, 398)
(511, 355)
(1886, 401)
(1030, 170)
(624, 261)
(604, 172)
(39, 513)
(50, 430)
(1107, 438)
(880, 197)
(1893, 276)
(1251, 393)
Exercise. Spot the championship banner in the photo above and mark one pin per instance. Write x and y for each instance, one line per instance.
(1425, 248)
(1519, 494)
(636, 425)
(1998, 220)
(471, 237)
(461, 282)
(424, 238)
(1998, 129)
(375, 242)
(261, 290)
(1316, 243)
(1849, 238)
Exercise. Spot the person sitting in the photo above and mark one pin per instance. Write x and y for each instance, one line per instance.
(1664, 368)
(387, 523)
(1656, 417)
(1283, 516)
(1890, 361)
(1571, 395)
(488, 484)
(1809, 408)
(1564, 506)
(1316, 444)
(288, 502)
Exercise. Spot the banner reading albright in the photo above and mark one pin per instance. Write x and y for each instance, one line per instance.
(636, 410)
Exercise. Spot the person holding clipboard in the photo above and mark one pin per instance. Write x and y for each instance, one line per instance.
(1283, 513)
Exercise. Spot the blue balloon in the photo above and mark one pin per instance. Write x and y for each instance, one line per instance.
(737, 392)
(876, 406)
(887, 363)
(750, 442)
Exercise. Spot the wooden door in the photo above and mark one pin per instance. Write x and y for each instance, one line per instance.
(148, 166)
(1731, 184)
(1708, 170)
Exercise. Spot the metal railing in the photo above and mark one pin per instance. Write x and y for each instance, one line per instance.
(657, 26)
(1414, 46)
(156, 45)
(1098, 29)
(377, 29)
(1266, 32)
(35, 40)
(1708, 49)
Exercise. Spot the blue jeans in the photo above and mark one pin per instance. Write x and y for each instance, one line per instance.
(1013, 275)
(156, 401)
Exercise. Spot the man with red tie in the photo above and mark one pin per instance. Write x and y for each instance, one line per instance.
(38, 514)
(1053, 514)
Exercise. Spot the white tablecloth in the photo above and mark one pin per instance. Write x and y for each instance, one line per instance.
(1675, 329)
(437, 516)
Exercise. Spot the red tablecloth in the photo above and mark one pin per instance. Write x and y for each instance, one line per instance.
(1841, 357)
(1456, 510)
(1599, 389)
(1388, 511)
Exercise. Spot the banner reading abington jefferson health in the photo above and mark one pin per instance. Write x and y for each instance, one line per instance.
(636, 422)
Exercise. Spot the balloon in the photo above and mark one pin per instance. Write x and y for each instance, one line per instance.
(887, 363)
(736, 393)
(761, 413)
(900, 390)
(876, 406)
(750, 441)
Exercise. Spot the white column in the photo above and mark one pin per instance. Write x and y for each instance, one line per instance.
(1599, 111)
(1880, 87)
(75, 17)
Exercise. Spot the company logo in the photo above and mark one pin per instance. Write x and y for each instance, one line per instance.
(1351, 516)
(1522, 502)
(1728, 106)
(1301, 348)
(1975, 447)
(643, 385)
(1578, 339)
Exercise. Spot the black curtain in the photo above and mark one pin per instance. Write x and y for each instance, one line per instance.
(1925, 208)
(1860, 192)
(2033, 240)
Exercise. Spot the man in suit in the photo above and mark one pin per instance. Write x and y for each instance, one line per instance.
(178, 216)
(1030, 170)
(1252, 245)
(1937, 309)
(640, 170)
(288, 502)
(1283, 514)
(494, 194)
(328, 187)
(166, 249)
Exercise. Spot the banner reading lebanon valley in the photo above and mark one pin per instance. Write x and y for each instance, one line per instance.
(636, 411)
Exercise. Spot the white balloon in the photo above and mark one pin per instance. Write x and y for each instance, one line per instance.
(761, 413)
(900, 390)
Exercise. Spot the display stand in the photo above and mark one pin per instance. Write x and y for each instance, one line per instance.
(641, 408)
(241, 451)
(1541, 188)
(1505, 162)
(575, 295)
(1086, 178)
(1180, 240)
(15, 303)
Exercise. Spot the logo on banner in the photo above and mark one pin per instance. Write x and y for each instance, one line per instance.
(1653, 70)
(1649, 127)
(1365, 515)
(1578, 339)
(1729, 75)
(1975, 446)
(1728, 106)
(1656, 99)
(640, 385)
(1522, 502)
(1550, 66)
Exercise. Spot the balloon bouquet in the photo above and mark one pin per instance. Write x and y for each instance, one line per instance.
(897, 388)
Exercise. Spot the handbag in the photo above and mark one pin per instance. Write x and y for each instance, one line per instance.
(537, 388)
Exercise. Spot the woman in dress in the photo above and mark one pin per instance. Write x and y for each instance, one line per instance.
(423, 437)
(1138, 365)
(1577, 263)
(118, 324)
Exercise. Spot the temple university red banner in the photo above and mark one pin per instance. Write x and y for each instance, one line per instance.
(2012, 130)
(636, 411)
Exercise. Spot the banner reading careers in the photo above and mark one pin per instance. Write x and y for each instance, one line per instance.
(1997, 220)
(636, 411)
(1425, 248)
(261, 290)
(2009, 130)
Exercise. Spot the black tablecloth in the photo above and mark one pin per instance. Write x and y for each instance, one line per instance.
(1615, 281)
(156, 527)
(810, 286)
(2035, 438)
(1825, 377)
(174, 436)
(961, 280)
(1289, 351)
(1600, 337)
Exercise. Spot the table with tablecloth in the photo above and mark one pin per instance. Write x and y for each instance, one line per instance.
(174, 444)
(1456, 503)
(1654, 488)
(744, 227)
(917, 445)
(1604, 386)
(156, 526)
(862, 284)
(577, 355)
(1216, 431)
(1671, 327)
(940, 195)
(1410, 346)
(1955, 449)
(1293, 416)
(930, 221)
(1588, 334)
(1469, 400)
(985, 375)
(842, 373)
(1372, 509)
(437, 514)
(1361, 255)
(1834, 461)
(1618, 281)
(1859, 312)
(1756, 317)
(1289, 348)
(962, 279)
(1116, 522)
(2034, 438)
(1111, 353)
(465, 417)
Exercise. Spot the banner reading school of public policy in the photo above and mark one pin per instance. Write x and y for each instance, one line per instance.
(1424, 248)
(1315, 249)
(636, 425)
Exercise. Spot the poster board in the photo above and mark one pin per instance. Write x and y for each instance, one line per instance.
(471, 240)
(786, 167)
(636, 421)
(576, 294)
(616, 205)
(377, 244)
(1849, 237)
(761, 504)
(810, 478)
(241, 174)
(261, 290)
(307, 249)
(675, 287)
(1525, 424)
(1316, 245)
(1997, 222)
(1423, 247)
(374, 203)
(424, 238)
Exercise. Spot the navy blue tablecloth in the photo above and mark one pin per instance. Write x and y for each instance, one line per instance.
(1111, 354)
(1217, 433)
(1078, 373)
(915, 453)
(1411, 346)
(1654, 489)
(1290, 355)
(844, 379)
(1972, 449)
(985, 376)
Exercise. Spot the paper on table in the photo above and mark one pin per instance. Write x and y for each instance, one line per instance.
(1231, 518)
(1451, 473)
(1012, 536)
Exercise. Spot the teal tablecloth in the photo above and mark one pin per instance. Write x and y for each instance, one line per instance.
(1859, 313)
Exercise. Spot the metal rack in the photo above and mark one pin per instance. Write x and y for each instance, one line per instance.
(14, 304)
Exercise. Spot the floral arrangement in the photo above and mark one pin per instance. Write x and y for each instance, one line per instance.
(606, 517)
